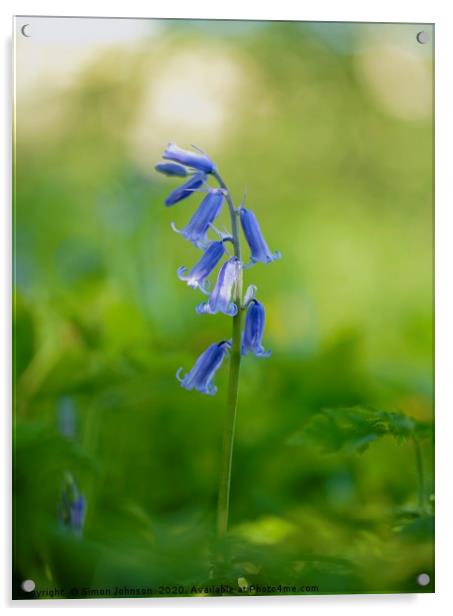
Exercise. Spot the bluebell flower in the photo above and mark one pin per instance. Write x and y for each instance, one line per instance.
(201, 375)
(253, 330)
(196, 160)
(220, 297)
(72, 506)
(196, 278)
(171, 169)
(225, 296)
(66, 417)
(258, 247)
(197, 228)
(77, 514)
(186, 189)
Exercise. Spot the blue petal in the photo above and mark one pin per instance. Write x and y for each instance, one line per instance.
(197, 276)
(171, 169)
(257, 244)
(186, 189)
(191, 159)
(77, 513)
(202, 373)
(220, 298)
(197, 228)
(254, 329)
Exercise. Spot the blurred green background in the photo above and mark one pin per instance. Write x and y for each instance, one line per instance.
(329, 129)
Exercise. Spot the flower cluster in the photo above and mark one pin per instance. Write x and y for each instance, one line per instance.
(225, 297)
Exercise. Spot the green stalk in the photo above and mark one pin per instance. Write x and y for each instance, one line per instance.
(420, 474)
(233, 381)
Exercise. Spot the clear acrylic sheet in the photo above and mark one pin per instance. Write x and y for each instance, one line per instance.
(241, 404)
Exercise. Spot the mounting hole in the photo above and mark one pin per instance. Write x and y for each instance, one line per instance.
(24, 30)
(423, 37)
(423, 579)
(28, 585)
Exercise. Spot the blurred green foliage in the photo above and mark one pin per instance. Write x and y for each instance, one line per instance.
(101, 323)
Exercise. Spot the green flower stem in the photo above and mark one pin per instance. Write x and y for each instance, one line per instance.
(420, 474)
(233, 381)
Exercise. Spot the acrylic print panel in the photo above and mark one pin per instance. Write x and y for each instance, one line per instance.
(223, 308)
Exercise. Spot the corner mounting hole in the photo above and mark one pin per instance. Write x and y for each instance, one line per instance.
(423, 579)
(423, 37)
(28, 585)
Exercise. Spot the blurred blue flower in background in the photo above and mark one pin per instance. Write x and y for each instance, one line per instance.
(66, 417)
(72, 506)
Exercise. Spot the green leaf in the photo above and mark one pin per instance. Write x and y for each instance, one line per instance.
(352, 429)
(23, 336)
